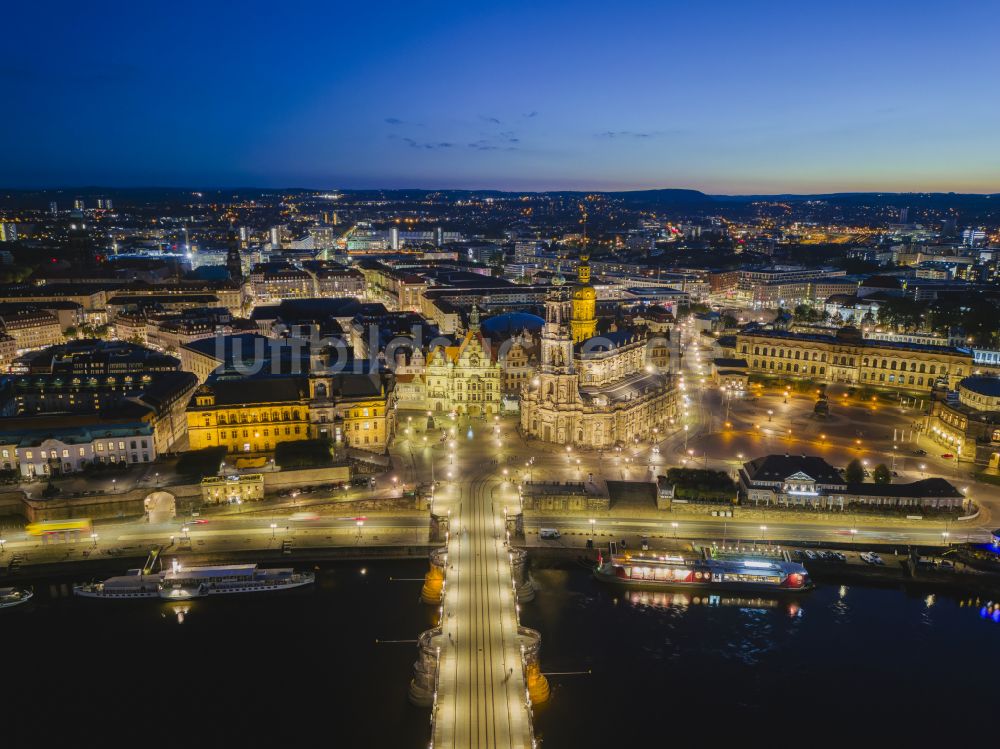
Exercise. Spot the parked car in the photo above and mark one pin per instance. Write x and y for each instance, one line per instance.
(810, 554)
(872, 558)
(919, 452)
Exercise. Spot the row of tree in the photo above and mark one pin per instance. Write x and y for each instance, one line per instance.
(855, 473)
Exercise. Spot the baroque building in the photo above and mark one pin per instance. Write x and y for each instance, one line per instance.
(583, 322)
(252, 415)
(969, 425)
(849, 358)
(595, 391)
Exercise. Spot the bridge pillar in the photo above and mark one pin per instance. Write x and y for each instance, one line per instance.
(433, 589)
(439, 528)
(535, 681)
(423, 686)
(523, 587)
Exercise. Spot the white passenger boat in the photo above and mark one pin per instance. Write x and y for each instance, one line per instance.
(181, 583)
(134, 584)
(14, 596)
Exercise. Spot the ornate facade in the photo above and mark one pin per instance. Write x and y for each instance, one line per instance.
(583, 322)
(253, 415)
(465, 378)
(597, 392)
(847, 357)
(969, 426)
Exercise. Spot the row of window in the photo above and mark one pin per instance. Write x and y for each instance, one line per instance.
(81, 451)
(848, 361)
(243, 418)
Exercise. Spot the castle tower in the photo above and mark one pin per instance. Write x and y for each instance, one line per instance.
(583, 320)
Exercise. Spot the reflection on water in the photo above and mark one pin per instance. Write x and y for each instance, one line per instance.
(179, 610)
(991, 611)
(753, 670)
(663, 599)
(110, 669)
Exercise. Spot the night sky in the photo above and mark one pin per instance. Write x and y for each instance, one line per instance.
(726, 97)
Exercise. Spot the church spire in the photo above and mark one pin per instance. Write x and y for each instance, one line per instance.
(474, 319)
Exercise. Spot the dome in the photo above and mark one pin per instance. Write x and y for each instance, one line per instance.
(980, 392)
(982, 385)
(510, 323)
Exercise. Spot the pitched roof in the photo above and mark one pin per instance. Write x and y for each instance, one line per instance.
(774, 468)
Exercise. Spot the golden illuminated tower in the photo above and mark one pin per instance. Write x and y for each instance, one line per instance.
(583, 319)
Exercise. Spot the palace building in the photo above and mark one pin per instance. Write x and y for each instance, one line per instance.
(591, 390)
(252, 415)
(461, 375)
(849, 358)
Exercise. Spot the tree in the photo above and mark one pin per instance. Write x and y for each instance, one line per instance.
(304, 453)
(855, 472)
(805, 313)
(881, 474)
(201, 463)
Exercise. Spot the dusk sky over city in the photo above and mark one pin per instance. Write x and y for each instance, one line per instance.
(722, 97)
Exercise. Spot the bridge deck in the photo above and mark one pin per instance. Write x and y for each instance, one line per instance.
(481, 689)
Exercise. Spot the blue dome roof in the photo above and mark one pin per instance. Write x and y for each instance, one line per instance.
(512, 322)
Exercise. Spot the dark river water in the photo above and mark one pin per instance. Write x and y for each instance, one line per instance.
(852, 666)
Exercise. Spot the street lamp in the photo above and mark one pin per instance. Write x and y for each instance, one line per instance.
(944, 537)
(361, 524)
(184, 530)
(274, 528)
(763, 529)
(674, 526)
(93, 536)
(770, 413)
(2, 542)
(592, 522)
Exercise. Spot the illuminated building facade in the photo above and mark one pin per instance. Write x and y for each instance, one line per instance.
(598, 392)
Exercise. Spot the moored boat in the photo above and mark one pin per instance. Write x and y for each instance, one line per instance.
(133, 585)
(182, 583)
(674, 571)
(14, 596)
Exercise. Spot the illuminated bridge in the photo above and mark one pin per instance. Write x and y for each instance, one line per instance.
(480, 665)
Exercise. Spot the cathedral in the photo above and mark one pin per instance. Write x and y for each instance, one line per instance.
(593, 390)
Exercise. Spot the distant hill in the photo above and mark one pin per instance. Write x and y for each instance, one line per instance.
(657, 198)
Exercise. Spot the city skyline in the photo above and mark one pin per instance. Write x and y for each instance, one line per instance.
(726, 100)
